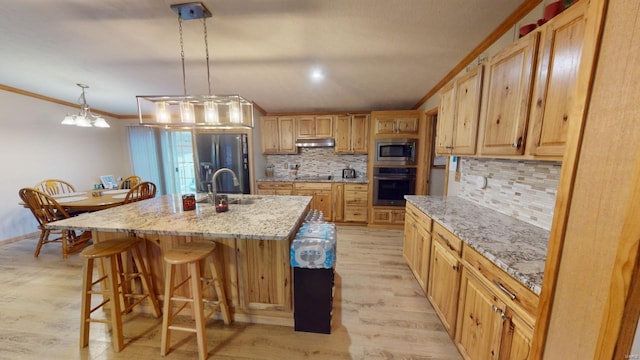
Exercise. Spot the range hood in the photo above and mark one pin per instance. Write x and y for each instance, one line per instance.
(316, 142)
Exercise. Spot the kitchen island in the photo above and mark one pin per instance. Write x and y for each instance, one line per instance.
(253, 240)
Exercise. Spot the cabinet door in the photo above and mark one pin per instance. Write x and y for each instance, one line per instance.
(337, 193)
(559, 61)
(510, 80)
(465, 128)
(407, 125)
(270, 134)
(322, 202)
(360, 134)
(343, 135)
(397, 217)
(480, 320)
(306, 127)
(324, 126)
(385, 126)
(446, 118)
(444, 281)
(516, 340)
(408, 241)
(422, 261)
(287, 131)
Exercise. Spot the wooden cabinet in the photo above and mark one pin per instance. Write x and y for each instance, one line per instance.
(396, 125)
(558, 64)
(416, 247)
(322, 196)
(458, 115)
(337, 199)
(352, 134)
(510, 76)
(314, 126)
(387, 216)
(356, 202)
(278, 135)
(516, 338)
(444, 276)
(275, 188)
(480, 320)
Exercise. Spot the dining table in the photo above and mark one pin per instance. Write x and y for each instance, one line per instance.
(91, 200)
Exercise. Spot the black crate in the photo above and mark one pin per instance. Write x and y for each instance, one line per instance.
(312, 300)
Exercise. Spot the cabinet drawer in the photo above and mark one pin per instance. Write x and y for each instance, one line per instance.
(357, 214)
(355, 198)
(275, 186)
(514, 293)
(422, 219)
(356, 187)
(447, 239)
(312, 186)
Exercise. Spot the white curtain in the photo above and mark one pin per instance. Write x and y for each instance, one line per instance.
(145, 149)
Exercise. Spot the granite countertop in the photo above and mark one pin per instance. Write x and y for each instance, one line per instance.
(515, 246)
(268, 217)
(334, 179)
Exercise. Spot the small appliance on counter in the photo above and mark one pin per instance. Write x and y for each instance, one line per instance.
(348, 173)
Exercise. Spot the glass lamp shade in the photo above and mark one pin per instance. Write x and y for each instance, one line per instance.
(211, 112)
(83, 121)
(234, 113)
(163, 114)
(68, 120)
(187, 112)
(101, 123)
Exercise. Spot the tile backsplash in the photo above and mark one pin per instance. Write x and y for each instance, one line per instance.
(318, 161)
(525, 190)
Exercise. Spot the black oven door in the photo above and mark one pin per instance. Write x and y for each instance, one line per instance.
(389, 189)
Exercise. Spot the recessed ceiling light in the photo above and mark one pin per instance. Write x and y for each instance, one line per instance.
(317, 75)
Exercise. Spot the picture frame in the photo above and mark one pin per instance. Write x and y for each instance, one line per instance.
(108, 181)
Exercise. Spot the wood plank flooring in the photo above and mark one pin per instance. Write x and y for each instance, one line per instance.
(379, 312)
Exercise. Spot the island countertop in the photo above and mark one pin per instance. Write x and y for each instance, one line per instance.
(266, 217)
(515, 246)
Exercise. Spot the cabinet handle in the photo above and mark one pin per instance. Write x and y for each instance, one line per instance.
(447, 242)
(454, 267)
(496, 309)
(504, 289)
(517, 144)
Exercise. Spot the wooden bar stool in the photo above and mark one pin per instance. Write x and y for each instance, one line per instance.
(191, 254)
(114, 286)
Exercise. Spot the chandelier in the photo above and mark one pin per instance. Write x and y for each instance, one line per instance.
(85, 118)
(194, 111)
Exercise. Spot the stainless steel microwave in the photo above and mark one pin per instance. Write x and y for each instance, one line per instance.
(395, 152)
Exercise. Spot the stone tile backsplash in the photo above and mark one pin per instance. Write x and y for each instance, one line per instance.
(525, 190)
(318, 161)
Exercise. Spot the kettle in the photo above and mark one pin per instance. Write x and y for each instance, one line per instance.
(348, 173)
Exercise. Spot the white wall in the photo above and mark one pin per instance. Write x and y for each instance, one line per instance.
(35, 146)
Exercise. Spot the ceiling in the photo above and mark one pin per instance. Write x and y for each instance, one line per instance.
(373, 54)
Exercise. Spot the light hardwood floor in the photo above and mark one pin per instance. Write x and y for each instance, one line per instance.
(379, 312)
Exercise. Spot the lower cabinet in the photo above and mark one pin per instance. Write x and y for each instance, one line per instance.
(417, 244)
(444, 280)
(516, 342)
(480, 320)
(337, 199)
(322, 197)
(387, 216)
(356, 202)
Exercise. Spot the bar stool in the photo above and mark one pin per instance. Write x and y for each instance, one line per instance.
(191, 254)
(114, 286)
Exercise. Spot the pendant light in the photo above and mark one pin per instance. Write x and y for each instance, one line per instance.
(85, 118)
(194, 110)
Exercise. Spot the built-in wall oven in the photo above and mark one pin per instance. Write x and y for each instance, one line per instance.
(395, 152)
(390, 185)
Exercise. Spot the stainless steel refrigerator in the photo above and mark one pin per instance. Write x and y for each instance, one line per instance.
(214, 152)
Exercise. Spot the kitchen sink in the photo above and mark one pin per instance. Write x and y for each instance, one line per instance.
(314, 177)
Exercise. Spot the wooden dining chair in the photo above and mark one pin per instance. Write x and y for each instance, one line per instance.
(54, 187)
(129, 182)
(46, 209)
(142, 191)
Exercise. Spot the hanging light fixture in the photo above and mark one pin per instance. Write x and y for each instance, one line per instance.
(194, 110)
(85, 118)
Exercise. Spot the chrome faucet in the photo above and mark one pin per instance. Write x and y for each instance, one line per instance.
(213, 191)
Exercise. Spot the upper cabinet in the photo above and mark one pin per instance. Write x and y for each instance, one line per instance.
(278, 135)
(396, 125)
(352, 134)
(458, 115)
(314, 126)
(558, 64)
(510, 76)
